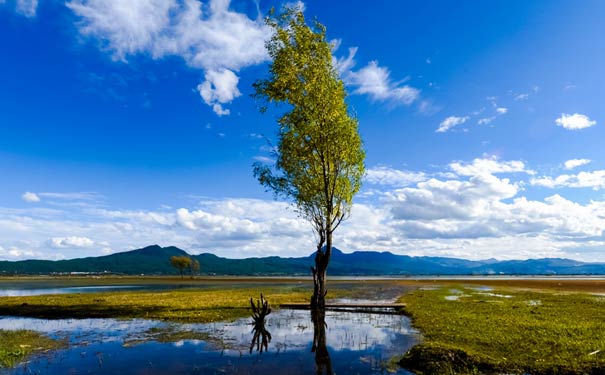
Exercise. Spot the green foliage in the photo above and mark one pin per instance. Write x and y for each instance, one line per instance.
(185, 262)
(506, 331)
(16, 345)
(320, 159)
(181, 263)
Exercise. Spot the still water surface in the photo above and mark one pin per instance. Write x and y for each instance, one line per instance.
(21, 292)
(356, 343)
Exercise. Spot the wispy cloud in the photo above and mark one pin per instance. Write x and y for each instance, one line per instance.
(71, 196)
(263, 159)
(27, 8)
(373, 80)
(486, 120)
(451, 122)
(71, 242)
(525, 95)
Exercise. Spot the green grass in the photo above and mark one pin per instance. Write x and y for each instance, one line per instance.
(530, 332)
(189, 305)
(16, 345)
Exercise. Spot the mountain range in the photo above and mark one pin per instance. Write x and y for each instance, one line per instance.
(154, 260)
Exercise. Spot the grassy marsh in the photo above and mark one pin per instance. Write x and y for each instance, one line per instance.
(188, 305)
(469, 330)
(16, 345)
(540, 326)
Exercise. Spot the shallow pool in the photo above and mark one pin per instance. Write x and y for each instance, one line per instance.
(343, 343)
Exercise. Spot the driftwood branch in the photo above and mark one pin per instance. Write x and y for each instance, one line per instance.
(261, 309)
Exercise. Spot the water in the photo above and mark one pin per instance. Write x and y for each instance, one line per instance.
(348, 343)
(9, 292)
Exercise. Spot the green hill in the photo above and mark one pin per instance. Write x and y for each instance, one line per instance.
(154, 260)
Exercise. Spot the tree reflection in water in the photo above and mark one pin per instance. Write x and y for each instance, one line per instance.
(261, 337)
(322, 356)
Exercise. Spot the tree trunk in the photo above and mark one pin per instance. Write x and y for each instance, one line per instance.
(322, 258)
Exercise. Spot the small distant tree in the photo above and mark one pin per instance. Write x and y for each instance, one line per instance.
(194, 267)
(319, 155)
(181, 263)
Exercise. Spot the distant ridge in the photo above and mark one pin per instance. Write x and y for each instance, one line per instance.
(153, 260)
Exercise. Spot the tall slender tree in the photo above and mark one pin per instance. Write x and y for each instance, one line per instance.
(319, 154)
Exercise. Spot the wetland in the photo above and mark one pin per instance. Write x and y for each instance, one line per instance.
(165, 325)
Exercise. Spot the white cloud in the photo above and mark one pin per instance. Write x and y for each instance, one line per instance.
(575, 121)
(488, 165)
(14, 253)
(382, 175)
(27, 7)
(523, 96)
(477, 209)
(206, 36)
(451, 122)
(124, 27)
(468, 211)
(594, 180)
(71, 242)
(30, 197)
(436, 199)
(501, 110)
(574, 163)
(219, 87)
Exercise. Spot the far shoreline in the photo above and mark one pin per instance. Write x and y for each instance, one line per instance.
(563, 283)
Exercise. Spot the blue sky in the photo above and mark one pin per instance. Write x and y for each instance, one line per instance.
(124, 124)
